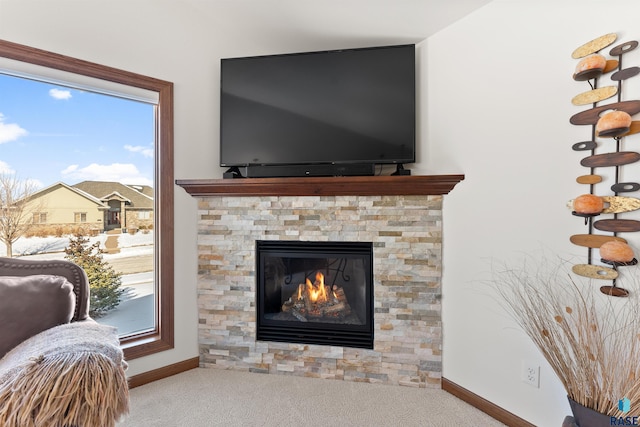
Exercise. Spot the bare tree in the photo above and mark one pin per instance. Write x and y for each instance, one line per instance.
(16, 211)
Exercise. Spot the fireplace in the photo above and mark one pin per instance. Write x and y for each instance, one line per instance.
(315, 292)
(402, 218)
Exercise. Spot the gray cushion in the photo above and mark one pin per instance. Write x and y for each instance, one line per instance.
(31, 304)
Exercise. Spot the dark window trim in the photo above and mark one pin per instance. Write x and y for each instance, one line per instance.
(162, 338)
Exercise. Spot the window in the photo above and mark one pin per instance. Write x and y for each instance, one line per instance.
(39, 218)
(80, 217)
(35, 63)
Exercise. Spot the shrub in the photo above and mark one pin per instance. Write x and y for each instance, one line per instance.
(59, 230)
(105, 284)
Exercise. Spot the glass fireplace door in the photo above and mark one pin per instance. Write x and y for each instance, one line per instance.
(315, 292)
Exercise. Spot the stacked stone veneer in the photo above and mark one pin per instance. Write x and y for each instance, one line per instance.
(406, 232)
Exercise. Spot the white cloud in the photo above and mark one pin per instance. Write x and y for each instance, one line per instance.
(5, 168)
(10, 131)
(59, 93)
(69, 170)
(125, 173)
(145, 151)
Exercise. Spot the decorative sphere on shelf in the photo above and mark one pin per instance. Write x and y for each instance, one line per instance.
(588, 204)
(591, 62)
(612, 121)
(590, 67)
(616, 251)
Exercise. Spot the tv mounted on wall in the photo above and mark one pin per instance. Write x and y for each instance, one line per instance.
(329, 113)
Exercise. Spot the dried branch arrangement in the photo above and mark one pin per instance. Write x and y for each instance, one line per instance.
(591, 342)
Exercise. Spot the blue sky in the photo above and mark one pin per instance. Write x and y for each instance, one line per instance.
(52, 134)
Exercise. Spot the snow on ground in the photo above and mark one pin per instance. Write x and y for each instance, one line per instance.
(53, 247)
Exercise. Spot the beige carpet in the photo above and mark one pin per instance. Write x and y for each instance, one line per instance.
(214, 397)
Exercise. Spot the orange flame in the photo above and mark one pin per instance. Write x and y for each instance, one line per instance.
(317, 291)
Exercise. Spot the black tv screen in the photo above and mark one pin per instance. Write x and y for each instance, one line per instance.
(340, 107)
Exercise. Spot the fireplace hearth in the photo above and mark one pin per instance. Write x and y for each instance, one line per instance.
(315, 292)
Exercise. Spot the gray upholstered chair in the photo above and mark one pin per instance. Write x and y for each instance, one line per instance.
(58, 367)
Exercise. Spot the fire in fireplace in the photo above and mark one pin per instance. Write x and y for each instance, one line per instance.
(315, 292)
(318, 301)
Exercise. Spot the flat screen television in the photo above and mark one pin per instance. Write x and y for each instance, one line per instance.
(329, 113)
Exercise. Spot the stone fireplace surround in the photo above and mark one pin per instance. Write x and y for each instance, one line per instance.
(401, 215)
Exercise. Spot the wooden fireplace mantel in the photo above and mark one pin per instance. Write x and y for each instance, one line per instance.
(404, 185)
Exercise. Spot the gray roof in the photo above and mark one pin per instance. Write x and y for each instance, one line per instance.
(137, 196)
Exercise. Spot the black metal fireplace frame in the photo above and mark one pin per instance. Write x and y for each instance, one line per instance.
(357, 336)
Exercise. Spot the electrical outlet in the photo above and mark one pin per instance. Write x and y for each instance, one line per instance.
(531, 374)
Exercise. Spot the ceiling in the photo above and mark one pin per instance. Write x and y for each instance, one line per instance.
(303, 25)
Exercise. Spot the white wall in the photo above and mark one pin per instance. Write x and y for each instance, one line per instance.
(495, 91)
(498, 87)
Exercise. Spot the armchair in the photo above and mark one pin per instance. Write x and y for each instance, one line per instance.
(58, 367)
